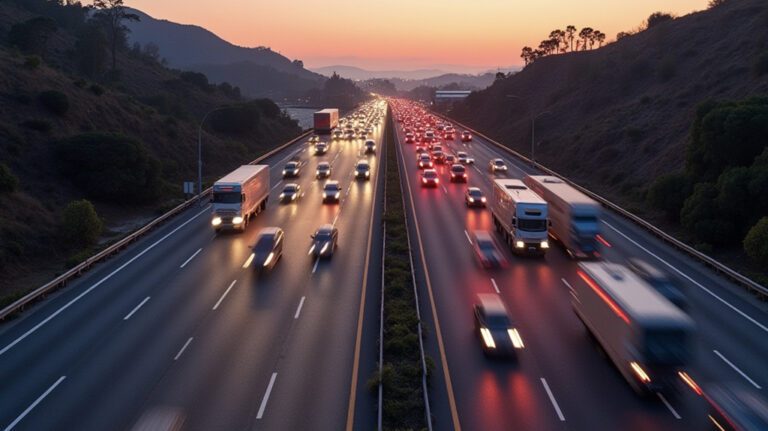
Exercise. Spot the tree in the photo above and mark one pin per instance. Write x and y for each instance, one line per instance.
(622, 34)
(558, 38)
(668, 193)
(80, 225)
(499, 75)
(91, 50)
(527, 55)
(152, 51)
(701, 219)
(298, 63)
(716, 3)
(756, 242)
(600, 38)
(585, 35)
(113, 14)
(657, 18)
(570, 32)
(32, 36)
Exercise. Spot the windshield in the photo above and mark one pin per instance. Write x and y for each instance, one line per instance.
(291, 165)
(331, 187)
(666, 347)
(226, 197)
(497, 321)
(498, 162)
(486, 245)
(289, 189)
(323, 236)
(475, 193)
(532, 225)
(264, 244)
(457, 169)
(430, 175)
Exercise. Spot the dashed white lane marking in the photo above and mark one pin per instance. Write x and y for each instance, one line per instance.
(669, 406)
(468, 238)
(277, 185)
(298, 309)
(249, 260)
(183, 348)
(552, 398)
(34, 404)
(191, 257)
(495, 286)
(136, 308)
(314, 268)
(224, 295)
(263, 405)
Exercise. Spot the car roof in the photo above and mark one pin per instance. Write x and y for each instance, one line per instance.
(474, 189)
(291, 185)
(331, 183)
(362, 162)
(456, 165)
(430, 171)
(324, 164)
(325, 228)
(492, 304)
(269, 231)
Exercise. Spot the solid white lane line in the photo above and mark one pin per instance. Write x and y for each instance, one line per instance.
(191, 257)
(495, 286)
(183, 348)
(298, 309)
(224, 295)
(135, 309)
(263, 405)
(276, 185)
(669, 406)
(468, 238)
(565, 282)
(682, 274)
(249, 260)
(99, 283)
(735, 368)
(552, 398)
(314, 268)
(34, 404)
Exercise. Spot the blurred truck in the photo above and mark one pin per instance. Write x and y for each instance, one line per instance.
(574, 218)
(326, 120)
(521, 216)
(238, 196)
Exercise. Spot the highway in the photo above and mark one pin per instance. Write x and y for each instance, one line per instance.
(562, 380)
(176, 327)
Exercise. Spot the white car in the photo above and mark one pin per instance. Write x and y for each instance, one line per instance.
(464, 158)
(497, 165)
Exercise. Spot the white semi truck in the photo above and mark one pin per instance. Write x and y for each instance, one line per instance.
(238, 196)
(520, 215)
(650, 341)
(574, 218)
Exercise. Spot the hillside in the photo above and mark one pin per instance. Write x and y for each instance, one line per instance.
(462, 81)
(360, 74)
(126, 141)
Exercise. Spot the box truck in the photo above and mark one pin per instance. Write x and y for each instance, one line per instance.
(574, 218)
(648, 339)
(238, 196)
(326, 120)
(520, 215)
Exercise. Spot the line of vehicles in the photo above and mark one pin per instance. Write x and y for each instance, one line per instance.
(635, 312)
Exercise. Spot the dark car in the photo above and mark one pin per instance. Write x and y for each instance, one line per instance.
(425, 161)
(487, 252)
(466, 136)
(291, 169)
(458, 173)
(659, 280)
(498, 335)
(290, 193)
(324, 241)
(370, 146)
(429, 178)
(321, 148)
(323, 170)
(363, 170)
(268, 248)
(438, 157)
(331, 191)
(474, 197)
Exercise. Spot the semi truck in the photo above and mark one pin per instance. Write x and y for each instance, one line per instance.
(650, 341)
(326, 120)
(238, 196)
(520, 215)
(574, 218)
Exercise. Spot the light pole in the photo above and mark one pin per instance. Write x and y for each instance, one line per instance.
(200, 149)
(533, 132)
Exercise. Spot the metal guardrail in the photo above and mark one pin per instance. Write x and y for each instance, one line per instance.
(113, 249)
(732, 274)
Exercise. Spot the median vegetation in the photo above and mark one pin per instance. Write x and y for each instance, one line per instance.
(401, 376)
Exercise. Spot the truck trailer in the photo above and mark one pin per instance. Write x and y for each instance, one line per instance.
(238, 196)
(520, 215)
(326, 120)
(650, 341)
(574, 218)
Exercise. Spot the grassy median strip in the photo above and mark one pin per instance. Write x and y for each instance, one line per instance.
(402, 372)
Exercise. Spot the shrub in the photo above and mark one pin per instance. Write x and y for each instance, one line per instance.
(38, 125)
(760, 67)
(8, 182)
(700, 216)
(32, 62)
(657, 18)
(756, 242)
(80, 225)
(96, 89)
(54, 101)
(32, 35)
(668, 193)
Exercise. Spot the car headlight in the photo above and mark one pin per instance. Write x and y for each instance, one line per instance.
(483, 199)
(282, 195)
(471, 199)
(293, 196)
(367, 174)
(325, 248)
(284, 172)
(338, 194)
(517, 341)
(269, 258)
(216, 221)
(545, 244)
(519, 244)
(237, 220)
(317, 172)
(487, 338)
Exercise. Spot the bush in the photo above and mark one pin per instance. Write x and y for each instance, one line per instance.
(54, 101)
(32, 62)
(38, 125)
(657, 18)
(96, 89)
(8, 182)
(668, 193)
(700, 216)
(80, 225)
(756, 242)
(32, 35)
(760, 67)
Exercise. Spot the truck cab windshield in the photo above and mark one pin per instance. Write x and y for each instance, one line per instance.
(532, 225)
(666, 347)
(226, 198)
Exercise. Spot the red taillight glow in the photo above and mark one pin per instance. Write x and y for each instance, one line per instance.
(603, 241)
(601, 293)
(689, 381)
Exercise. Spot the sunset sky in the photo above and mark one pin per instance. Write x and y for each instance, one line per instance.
(452, 35)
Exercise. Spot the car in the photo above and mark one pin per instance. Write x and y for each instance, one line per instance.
(323, 170)
(659, 280)
(464, 158)
(338, 134)
(349, 134)
(268, 248)
(425, 161)
(438, 157)
(458, 173)
(449, 134)
(363, 170)
(436, 147)
(370, 146)
(497, 165)
(487, 252)
(292, 169)
(429, 178)
(324, 241)
(421, 150)
(331, 191)
(474, 197)
(290, 193)
(321, 148)
(450, 159)
(466, 136)
(498, 335)
(313, 139)
(409, 138)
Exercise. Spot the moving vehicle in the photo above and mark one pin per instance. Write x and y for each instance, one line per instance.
(486, 251)
(732, 407)
(363, 170)
(520, 215)
(410, 138)
(321, 148)
(313, 139)
(659, 280)
(239, 195)
(324, 241)
(466, 136)
(574, 217)
(338, 134)
(464, 158)
(450, 159)
(292, 169)
(326, 120)
(425, 161)
(429, 178)
(370, 146)
(290, 193)
(458, 173)
(498, 335)
(648, 339)
(438, 157)
(323, 170)
(474, 197)
(268, 248)
(331, 191)
(497, 165)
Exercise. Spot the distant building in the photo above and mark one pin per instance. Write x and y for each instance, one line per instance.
(449, 96)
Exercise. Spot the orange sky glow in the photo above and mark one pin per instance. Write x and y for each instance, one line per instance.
(400, 34)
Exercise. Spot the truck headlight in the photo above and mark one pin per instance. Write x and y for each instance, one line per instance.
(237, 220)
(216, 221)
(519, 244)
(283, 171)
(545, 244)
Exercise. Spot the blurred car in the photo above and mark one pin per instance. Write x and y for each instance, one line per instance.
(268, 248)
(324, 241)
(323, 170)
(349, 134)
(487, 252)
(363, 170)
(410, 138)
(438, 157)
(659, 280)
(450, 159)
(321, 148)
(290, 193)
(498, 335)
(466, 136)
(331, 191)
(458, 173)
(313, 139)
(338, 134)
(425, 161)
(292, 169)
(370, 146)
(421, 150)
(497, 165)
(733, 408)
(464, 158)
(429, 178)
(474, 197)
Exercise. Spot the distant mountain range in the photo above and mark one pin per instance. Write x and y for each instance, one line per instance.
(465, 82)
(360, 74)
